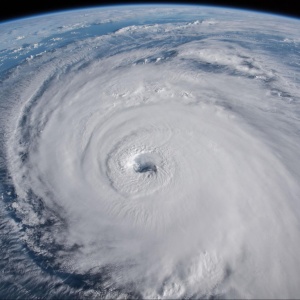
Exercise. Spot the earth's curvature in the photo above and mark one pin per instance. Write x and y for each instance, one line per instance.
(150, 152)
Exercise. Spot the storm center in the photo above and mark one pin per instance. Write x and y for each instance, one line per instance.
(144, 163)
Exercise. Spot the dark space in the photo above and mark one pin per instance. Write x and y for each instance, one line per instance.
(18, 8)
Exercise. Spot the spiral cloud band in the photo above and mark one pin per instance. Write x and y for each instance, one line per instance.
(158, 160)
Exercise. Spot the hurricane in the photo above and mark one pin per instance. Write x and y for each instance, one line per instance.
(150, 157)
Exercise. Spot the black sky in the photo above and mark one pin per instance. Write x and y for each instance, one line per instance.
(20, 8)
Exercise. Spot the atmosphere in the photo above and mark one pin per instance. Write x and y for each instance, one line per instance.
(150, 152)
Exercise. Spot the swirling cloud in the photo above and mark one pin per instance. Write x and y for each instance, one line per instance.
(159, 161)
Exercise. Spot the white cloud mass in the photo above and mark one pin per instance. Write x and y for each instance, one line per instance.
(158, 160)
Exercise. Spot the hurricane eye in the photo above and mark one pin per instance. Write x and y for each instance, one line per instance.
(144, 163)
